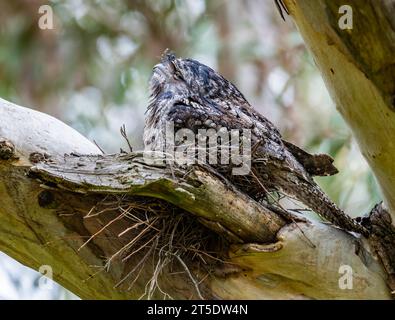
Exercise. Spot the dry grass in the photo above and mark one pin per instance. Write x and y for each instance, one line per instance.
(155, 234)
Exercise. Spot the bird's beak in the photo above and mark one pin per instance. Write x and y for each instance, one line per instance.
(167, 56)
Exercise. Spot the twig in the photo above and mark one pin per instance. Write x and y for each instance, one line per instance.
(97, 145)
(124, 135)
(195, 283)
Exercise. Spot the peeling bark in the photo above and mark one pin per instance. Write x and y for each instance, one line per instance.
(42, 222)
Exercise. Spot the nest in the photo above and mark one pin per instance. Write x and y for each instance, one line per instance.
(151, 233)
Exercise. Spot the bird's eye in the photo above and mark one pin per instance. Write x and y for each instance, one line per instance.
(178, 75)
(176, 72)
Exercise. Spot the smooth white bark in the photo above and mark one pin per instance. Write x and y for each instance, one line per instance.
(33, 131)
(289, 268)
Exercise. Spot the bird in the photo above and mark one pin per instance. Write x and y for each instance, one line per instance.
(191, 95)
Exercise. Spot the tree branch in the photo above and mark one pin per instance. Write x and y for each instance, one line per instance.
(358, 67)
(43, 223)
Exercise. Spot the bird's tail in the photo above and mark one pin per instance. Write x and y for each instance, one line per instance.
(311, 195)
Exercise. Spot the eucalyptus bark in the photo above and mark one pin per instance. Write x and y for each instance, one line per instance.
(358, 67)
(353, 45)
(45, 196)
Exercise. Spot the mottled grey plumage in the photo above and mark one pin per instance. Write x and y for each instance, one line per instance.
(194, 96)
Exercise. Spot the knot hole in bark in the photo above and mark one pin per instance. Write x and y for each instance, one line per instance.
(7, 150)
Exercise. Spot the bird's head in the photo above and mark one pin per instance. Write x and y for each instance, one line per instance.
(176, 79)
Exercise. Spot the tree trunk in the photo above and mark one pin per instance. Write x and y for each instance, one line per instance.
(49, 202)
(358, 67)
(44, 208)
